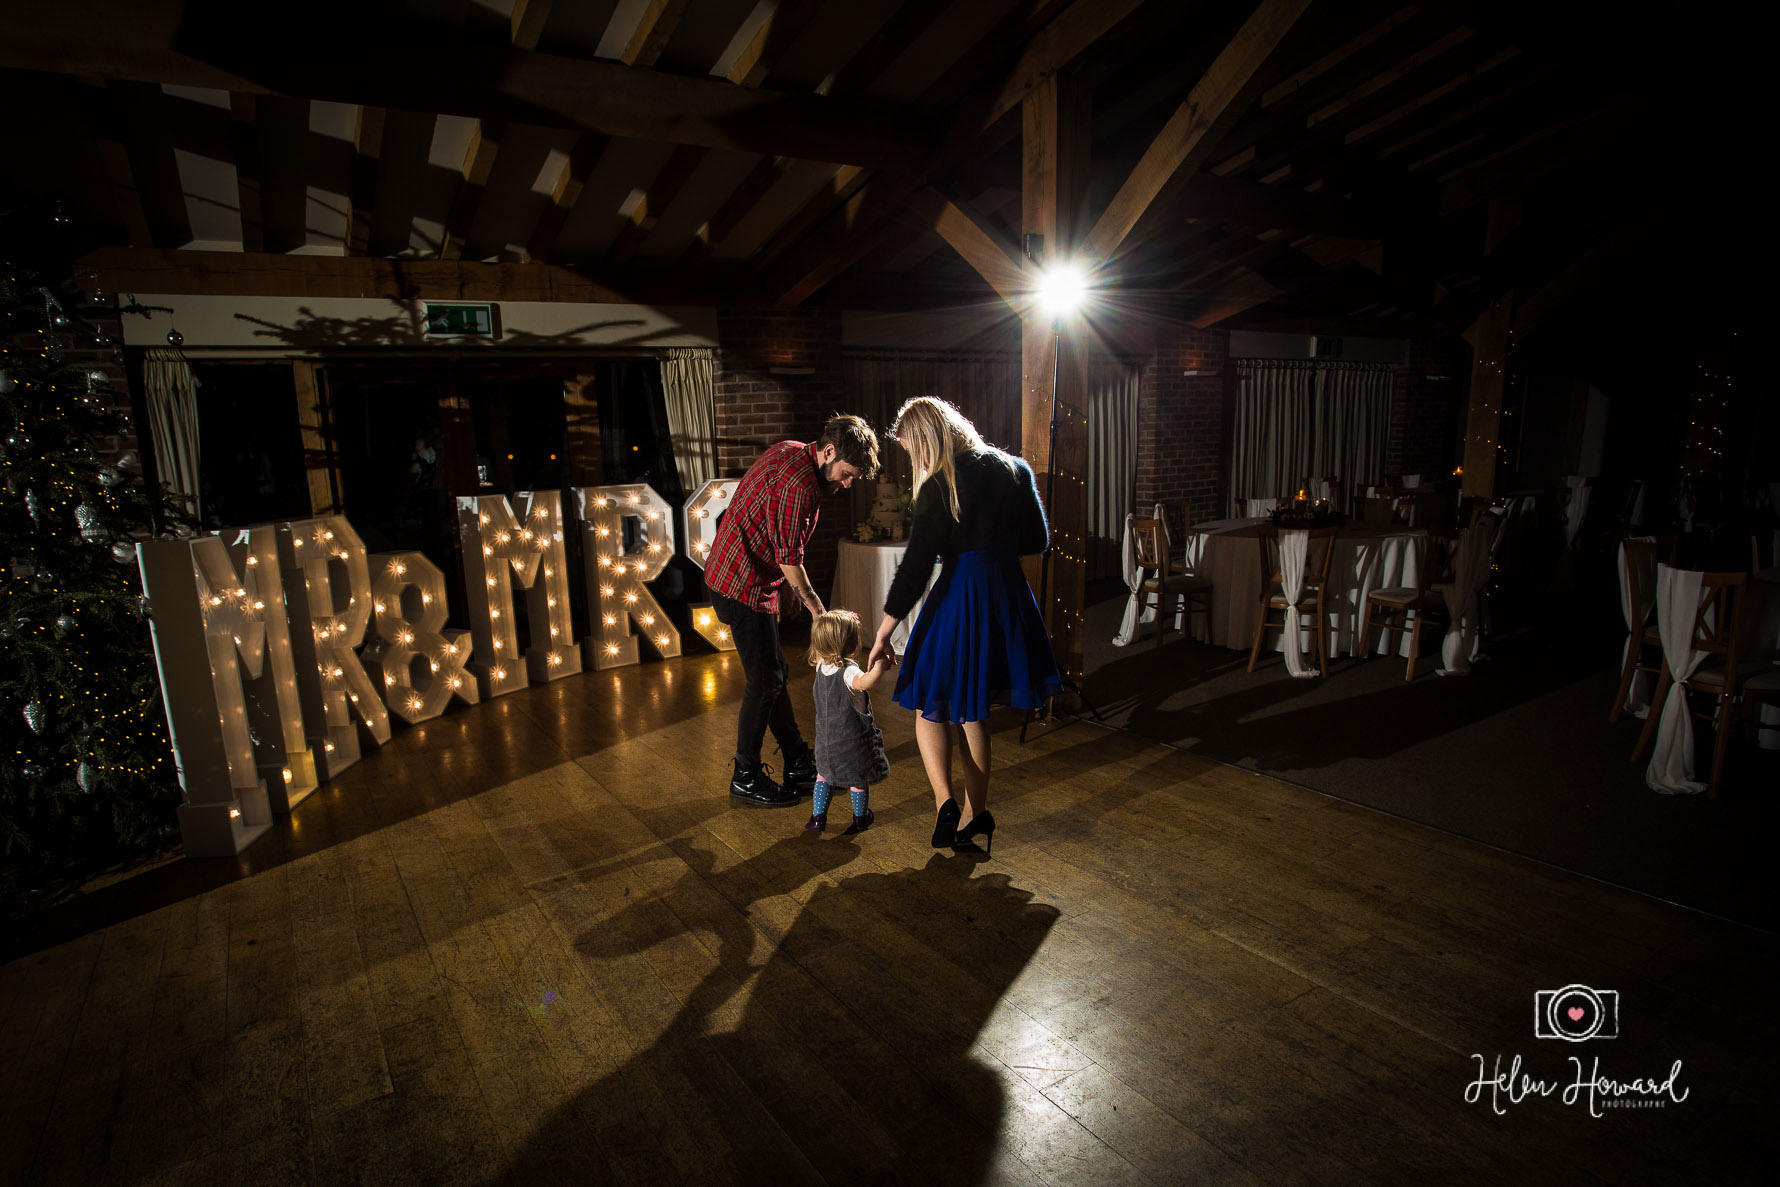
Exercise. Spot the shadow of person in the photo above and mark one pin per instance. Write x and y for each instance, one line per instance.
(841, 1056)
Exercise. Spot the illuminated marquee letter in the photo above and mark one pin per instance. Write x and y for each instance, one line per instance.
(537, 559)
(418, 665)
(328, 586)
(210, 626)
(617, 597)
(701, 514)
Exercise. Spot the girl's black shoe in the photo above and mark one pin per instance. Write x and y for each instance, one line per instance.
(982, 824)
(945, 825)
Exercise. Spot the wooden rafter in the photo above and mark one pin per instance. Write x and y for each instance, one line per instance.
(1246, 291)
(565, 191)
(136, 40)
(485, 145)
(668, 183)
(245, 144)
(654, 30)
(162, 270)
(767, 173)
(1196, 125)
(526, 22)
(368, 149)
(770, 40)
(984, 246)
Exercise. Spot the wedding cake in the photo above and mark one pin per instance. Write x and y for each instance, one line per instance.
(886, 512)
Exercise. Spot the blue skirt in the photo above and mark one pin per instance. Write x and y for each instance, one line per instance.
(979, 641)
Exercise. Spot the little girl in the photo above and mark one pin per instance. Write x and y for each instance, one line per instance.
(849, 748)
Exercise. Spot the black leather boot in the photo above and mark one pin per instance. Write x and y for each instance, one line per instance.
(800, 772)
(754, 786)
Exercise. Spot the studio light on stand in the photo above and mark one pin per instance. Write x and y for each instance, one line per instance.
(1060, 293)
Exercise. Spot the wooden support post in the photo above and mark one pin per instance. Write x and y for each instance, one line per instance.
(1490, 337)
(325, 497)
(1054, 167)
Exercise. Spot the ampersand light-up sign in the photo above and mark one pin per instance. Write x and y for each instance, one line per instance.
(209, 630)
(498, 550)
(701, 512)
(327, 583)
(617, 597)
(418, 665)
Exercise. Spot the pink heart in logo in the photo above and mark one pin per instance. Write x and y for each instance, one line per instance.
(1575, 1013)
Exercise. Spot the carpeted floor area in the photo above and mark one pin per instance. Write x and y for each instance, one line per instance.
(1518, 755)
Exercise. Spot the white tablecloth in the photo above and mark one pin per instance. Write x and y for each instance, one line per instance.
(1367, 557)
(862, 575)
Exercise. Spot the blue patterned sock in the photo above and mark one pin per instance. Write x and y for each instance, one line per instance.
(861, 797)
(819, 798)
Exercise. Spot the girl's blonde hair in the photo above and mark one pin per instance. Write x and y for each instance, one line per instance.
(834, 636)
(933, 432)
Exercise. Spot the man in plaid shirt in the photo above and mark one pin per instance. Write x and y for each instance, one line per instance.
(759, 546)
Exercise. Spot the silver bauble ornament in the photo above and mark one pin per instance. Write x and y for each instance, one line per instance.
(110, 476)
(175, 339)
(91, 529)
(65, 623)
(87, 776)
(34, 716)
(123, 553)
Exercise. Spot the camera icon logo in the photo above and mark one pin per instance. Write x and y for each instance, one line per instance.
(1576, 1013)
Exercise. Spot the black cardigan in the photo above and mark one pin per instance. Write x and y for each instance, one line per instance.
(997, 498)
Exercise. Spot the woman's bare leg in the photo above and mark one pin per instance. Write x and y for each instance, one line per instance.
(974, 756)
(935, 741)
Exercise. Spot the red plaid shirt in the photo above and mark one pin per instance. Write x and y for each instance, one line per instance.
(769, 521)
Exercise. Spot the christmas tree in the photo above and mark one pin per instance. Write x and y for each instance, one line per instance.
(89, 773)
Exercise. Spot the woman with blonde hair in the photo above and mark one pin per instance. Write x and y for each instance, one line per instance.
(980, 639)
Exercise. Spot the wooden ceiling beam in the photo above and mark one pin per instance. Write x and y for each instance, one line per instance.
(485, 146)
(367, 140)
(668, 182)
(564, 193)
(144, 41)
(172, 271)
(244, 141)
(1195, 128)
(526, 22)
(767, 173)
(983, 246)
(775, 34)
(653, 32)
(1247, 291)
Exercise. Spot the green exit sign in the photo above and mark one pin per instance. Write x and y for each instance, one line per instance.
(458, 320)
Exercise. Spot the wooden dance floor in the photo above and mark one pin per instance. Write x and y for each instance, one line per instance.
(532, 942)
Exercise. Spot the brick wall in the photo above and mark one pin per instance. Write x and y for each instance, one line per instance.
(756, 407)
(1184, 422)
(1424, 410)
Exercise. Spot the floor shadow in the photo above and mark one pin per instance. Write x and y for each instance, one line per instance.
(848, 1059)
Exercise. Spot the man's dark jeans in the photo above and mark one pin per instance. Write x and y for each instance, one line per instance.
(765, 702)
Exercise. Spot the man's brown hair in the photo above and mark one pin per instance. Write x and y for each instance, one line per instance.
(853, 441)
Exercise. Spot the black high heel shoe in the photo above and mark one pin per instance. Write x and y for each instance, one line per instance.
(945, 825)
(982, 824)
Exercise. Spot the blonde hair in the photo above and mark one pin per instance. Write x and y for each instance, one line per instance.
(834, 636)
(933, 432)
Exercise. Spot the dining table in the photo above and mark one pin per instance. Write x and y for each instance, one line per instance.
(862, 576)
(1367, 557)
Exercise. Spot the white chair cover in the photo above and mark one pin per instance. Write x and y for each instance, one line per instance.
(1135, 611)
(1258, 507)
(1637, 697)
(1576, 507)
(1677, 606)
(1294, 550)
(1411, 481)
(1470, 573)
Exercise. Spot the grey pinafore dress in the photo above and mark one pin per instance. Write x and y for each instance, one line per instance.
(849, 746)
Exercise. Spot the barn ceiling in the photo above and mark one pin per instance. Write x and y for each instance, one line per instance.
(780, 152)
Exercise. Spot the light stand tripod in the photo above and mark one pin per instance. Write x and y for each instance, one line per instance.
(1045, 563)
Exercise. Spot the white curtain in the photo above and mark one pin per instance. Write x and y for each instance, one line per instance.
(173, 419)
(1112, 460)
(689, 388)
(1299, 421)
